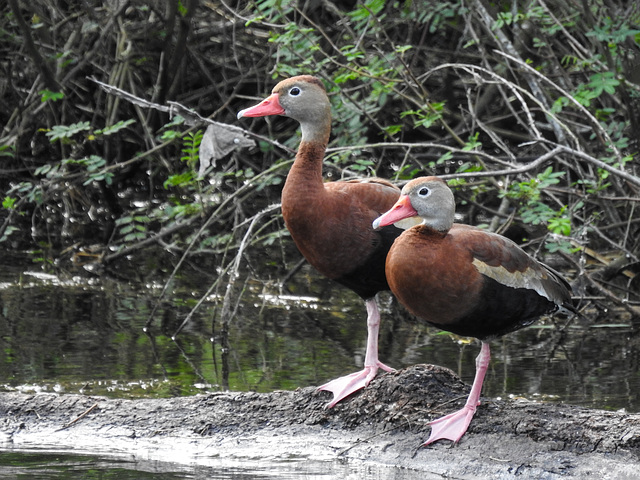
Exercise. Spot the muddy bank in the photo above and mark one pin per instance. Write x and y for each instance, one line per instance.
(383, 424)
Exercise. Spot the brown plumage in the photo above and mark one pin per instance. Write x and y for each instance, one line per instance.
(464, 280)
(330, 223)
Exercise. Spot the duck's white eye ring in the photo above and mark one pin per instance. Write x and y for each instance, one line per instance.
(424, 192)
(295, 91)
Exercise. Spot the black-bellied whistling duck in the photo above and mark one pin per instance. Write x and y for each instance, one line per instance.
(331, 222)
(464, 280)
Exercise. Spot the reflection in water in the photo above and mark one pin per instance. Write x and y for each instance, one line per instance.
(86, 335)
(48, 465)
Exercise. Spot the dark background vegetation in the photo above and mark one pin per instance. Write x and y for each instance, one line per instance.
(530, 109)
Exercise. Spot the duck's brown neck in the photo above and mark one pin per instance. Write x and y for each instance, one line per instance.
(305, 177)
(306, 171)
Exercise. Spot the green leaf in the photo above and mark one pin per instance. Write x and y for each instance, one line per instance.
(7, 151)
(365, 10)
(554, 246)
(182, 10)
(60, 132)
(8, 203)
(393, 129)
(560, 226)
(346, 76)
(403, 48)
(468, 167)
(176, 121)
(472, 143)
(48, 95)
(178, 179)
(7, 232)
(444, 157)
(115, 128)
(603, 82)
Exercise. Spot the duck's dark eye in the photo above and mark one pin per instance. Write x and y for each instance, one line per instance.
(295, 91)
(424, 191)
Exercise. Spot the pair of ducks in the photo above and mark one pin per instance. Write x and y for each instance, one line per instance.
(456, 277)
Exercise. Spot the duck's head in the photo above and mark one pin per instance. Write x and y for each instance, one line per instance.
(302, 98)
(426, 197)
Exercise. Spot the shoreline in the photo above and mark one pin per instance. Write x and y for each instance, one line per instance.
(382, 425)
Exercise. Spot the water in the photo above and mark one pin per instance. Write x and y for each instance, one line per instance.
(80, 333)
(85, 335)
(51, 465)
(45, 465)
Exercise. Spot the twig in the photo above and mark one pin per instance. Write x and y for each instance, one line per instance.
(49, 80)
(97, 46)
(529, 166)
(600, 164)
(517, 90)
(78, 418)
(148, 241)
(361, 441)
(594, 122)
(530, 79)
(191, 116)
(234, 272)
(242, 190)
(512, 171)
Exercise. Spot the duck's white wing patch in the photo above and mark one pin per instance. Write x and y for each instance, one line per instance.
(532, 279)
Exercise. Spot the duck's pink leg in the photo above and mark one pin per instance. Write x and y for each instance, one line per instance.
(344, 386)
(453, 426)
